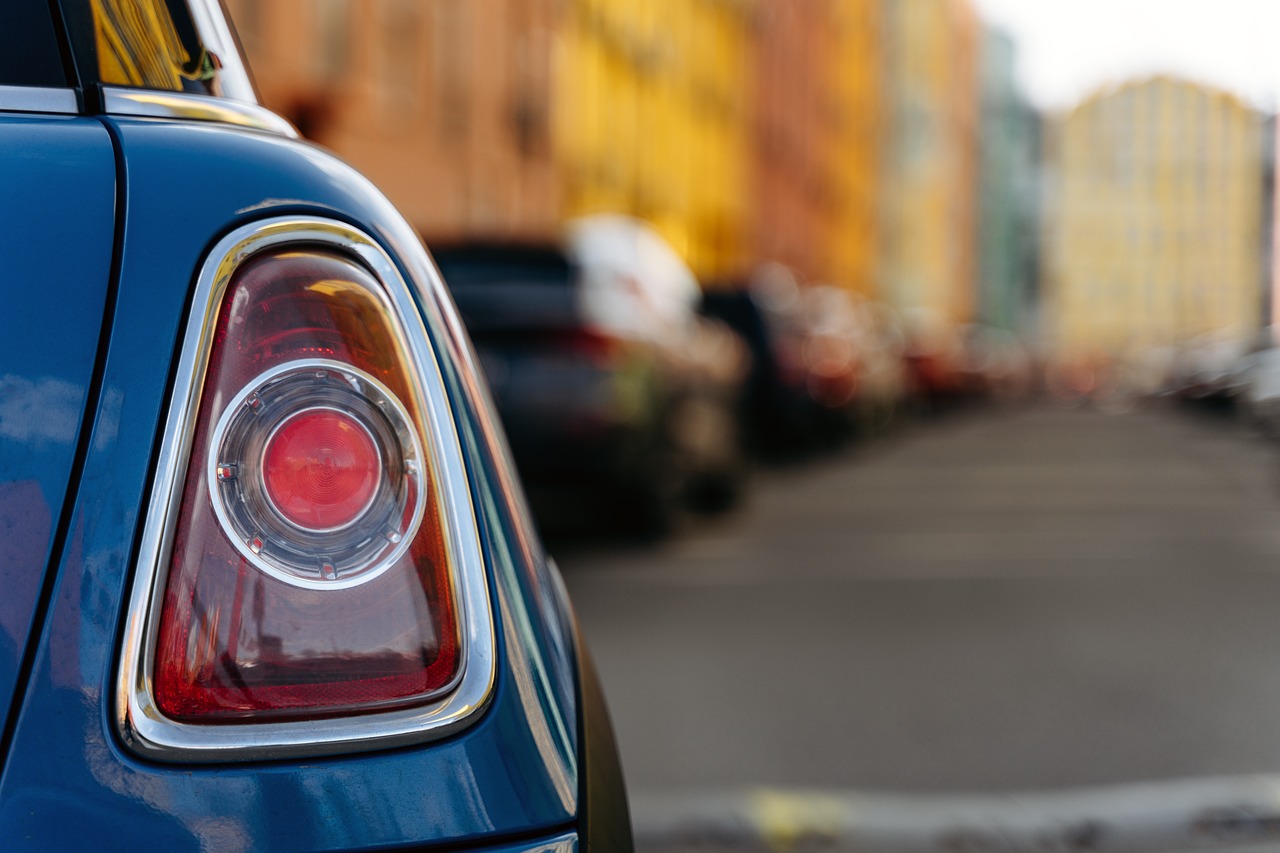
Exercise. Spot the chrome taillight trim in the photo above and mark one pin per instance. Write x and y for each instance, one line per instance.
(140, 723)
(567, 843)
(149, 103)
(37, 99)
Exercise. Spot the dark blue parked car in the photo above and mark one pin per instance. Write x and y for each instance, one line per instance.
(267, 580)
(618, 399)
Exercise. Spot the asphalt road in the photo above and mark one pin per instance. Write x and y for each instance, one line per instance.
(1005, 601)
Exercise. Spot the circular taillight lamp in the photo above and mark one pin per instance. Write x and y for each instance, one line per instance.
(321, 469)
(316, 474)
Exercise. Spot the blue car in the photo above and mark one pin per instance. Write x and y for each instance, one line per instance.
(267, 578)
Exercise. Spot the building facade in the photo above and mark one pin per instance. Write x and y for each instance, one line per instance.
(652, 120)
(1008, 197)
(855, 148)
(835, 136)
(930, 168)
(446, 105)
(791, 129)
(1154, 232)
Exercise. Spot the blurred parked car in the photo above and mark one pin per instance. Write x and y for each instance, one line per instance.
(777, 413)
(1257, 385)
(886, 382)
(619, 400)
(827, 363)
(268, 583)
(1209, 368)
(832, 358)
(1259, 398)
(999, 364)
(937, 361)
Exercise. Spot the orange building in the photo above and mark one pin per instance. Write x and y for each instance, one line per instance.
(445, 105)
(792, 128)
(819, 79)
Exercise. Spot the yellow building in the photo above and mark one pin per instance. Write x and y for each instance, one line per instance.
(930, 163)
(856, 74)
(1153, 230)
(651, 119)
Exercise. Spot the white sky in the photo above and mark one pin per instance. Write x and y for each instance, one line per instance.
(1068, 48)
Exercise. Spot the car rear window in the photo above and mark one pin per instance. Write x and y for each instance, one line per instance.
(29, 52)
(506, 289)
(463, 268)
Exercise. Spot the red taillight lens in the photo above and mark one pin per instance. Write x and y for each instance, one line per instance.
(590, 344)
(320, 469)
(309, 574)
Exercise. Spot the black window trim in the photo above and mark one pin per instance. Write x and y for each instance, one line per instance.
(73, 20)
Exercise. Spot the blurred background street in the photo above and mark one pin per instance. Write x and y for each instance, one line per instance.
(1013, 600)
(896, 380)
(1023, 600)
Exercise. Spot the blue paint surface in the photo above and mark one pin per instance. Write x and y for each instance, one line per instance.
(68, 782)
(57, 183)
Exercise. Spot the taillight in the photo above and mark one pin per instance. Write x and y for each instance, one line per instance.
(315, 564)
(593, 345)
(321, 470)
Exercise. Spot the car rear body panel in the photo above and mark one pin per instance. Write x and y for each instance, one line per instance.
(57, 179)
(68, 778)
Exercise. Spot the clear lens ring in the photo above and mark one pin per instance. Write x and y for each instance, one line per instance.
(330, 558)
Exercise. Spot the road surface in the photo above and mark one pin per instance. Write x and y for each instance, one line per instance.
(1025, 601)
